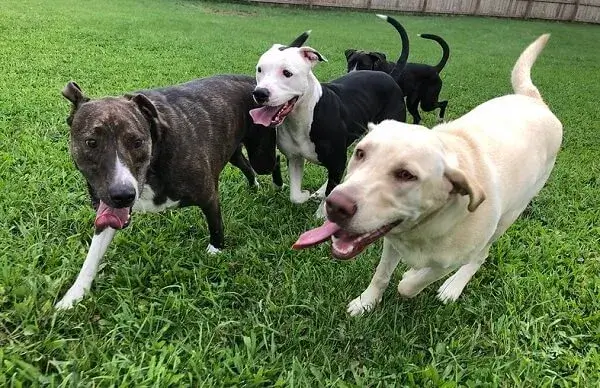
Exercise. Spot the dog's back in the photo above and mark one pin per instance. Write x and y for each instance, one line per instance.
(218, 130)
(359, 109)
(517, 134)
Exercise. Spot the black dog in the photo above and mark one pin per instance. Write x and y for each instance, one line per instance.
(420, 83)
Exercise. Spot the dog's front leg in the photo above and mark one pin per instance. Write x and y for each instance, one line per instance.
(98, 247)
(296, 169)
(372, 295)
(320, 195)
(212, 212)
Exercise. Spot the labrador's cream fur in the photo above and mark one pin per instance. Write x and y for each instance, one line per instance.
(474, 177)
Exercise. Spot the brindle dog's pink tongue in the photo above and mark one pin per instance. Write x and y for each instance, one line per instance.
(316, 236)
(263, 116)
(108, 216)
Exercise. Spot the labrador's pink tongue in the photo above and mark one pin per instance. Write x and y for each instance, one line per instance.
(264, 115)
(109, 216)
(316, 236)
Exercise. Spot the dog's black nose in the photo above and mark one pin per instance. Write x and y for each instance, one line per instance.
(261, 95)
(340, 207)
(122, 195)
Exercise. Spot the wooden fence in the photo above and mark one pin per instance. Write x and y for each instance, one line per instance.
(570, 10)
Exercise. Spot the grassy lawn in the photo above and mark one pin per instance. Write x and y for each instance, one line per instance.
(162, 312)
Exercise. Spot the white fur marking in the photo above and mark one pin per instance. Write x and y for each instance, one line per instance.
(98, 247)
(146, 202)
(123, 175)
(212, 250)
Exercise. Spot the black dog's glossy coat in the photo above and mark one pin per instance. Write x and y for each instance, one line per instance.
(420, 83)
(342, 113)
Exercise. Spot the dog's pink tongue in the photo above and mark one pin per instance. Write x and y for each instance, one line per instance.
(316, 236)
(264, 115)
(109, 216)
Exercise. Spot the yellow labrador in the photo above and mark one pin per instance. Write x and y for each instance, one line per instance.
(441, 197)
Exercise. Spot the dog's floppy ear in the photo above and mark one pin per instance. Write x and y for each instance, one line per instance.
(312, 55)
(348, 53)
(73, 93)
(377, 56)
(149, 110)
(465, 185)
(300, 40)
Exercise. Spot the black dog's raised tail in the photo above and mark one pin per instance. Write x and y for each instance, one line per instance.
(445, 50)
(405, 49)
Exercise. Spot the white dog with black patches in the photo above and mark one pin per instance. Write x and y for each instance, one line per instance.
(319, 121)
(441, 197)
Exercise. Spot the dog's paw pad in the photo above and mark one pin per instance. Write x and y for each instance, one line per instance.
(212, 250)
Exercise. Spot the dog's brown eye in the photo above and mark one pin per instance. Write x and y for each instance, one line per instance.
(138, 143)
(404, 175)
(287, 74)
(91, 143)
(359, 154)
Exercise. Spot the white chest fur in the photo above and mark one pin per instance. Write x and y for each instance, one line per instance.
(145, 202)
(294, 141)
(293, 135)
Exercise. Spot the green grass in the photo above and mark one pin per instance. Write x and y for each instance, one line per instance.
(162, 312)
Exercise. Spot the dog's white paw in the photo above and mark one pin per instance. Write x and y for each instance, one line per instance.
(318, 195)
(277, 187)
(407, 288)
(363, 304)
(450, 290)
(74, 295)
(301, 197)
(212, 250)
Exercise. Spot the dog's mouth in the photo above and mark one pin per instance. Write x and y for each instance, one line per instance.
(272, 116)
(344, 245)
(116, 218)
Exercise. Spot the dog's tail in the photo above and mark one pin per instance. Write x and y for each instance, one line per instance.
(405, 49)
(521, 73)
(445, 50)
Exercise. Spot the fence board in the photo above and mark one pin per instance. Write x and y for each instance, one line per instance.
(576, 10)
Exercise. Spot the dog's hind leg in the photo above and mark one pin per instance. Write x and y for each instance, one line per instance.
(98, 247)
(416, 280)
(239, 160)
(412, 105)
(429, 99)
(212, 212)
(370, 297)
